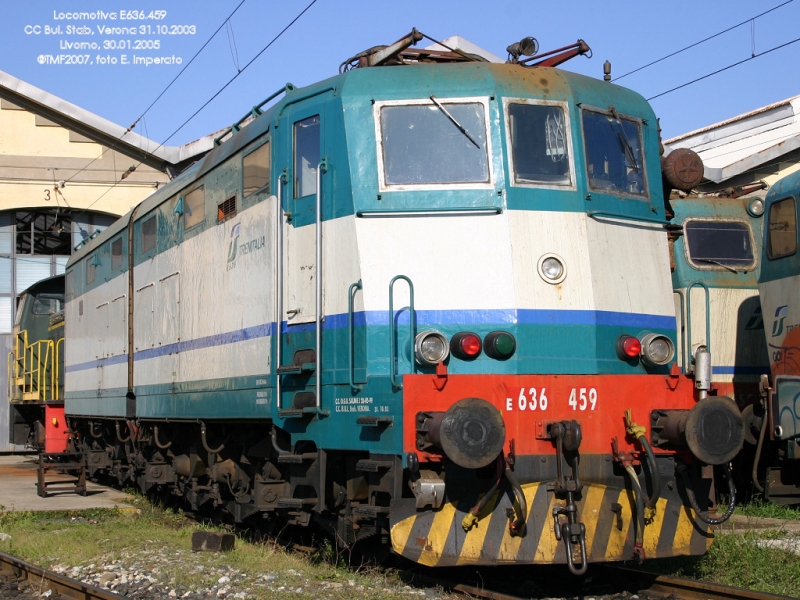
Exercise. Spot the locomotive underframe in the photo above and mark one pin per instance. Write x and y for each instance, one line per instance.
(248, 471)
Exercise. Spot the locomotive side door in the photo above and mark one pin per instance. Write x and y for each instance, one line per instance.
(300, 189)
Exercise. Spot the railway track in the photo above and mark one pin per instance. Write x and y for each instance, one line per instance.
(608, 581)
(39, 581)
(605, 581)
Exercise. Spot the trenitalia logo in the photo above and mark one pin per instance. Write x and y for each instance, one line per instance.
(234, 242)
(780, 316)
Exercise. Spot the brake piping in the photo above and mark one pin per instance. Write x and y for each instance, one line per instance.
(516, 527)
(470, 520)
(639, 433)
(757, 458)
(726, 473)
(645, 505)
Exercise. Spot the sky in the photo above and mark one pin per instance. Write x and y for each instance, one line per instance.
(308, 47)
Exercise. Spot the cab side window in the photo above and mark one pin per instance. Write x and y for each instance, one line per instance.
(782, 234)
(306, 156)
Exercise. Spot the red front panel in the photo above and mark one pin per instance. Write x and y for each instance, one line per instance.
(55, 429)
(529, 402)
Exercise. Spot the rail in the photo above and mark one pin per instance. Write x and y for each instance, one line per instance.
(42, 581)
(605, 580)
(351, 334)
(254, 112)
(689, 289)
(33, 369)
(394, 343)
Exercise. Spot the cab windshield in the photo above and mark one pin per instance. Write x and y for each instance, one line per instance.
(719, 245)
(434, 142)
(614, 158)
(539, 144)
(47, 304)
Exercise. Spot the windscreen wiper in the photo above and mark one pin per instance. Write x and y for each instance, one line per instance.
(623, 140)
(716, 262)
(456, 123)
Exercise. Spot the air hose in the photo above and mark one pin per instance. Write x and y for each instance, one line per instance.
(638, 547)
(640, 434)
(757, 457)
(684, 472)
(516, 526)
(470, 520)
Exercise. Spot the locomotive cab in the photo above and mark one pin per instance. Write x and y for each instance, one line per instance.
(36, 367)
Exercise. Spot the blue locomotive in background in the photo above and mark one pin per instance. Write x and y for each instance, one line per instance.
(425, 303)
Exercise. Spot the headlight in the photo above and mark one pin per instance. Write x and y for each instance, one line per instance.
(430, 348)
(657, 349)
(755, 208)
(552, 268)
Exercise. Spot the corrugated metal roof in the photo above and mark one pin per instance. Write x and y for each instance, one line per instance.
(95, 127)
(737, 145)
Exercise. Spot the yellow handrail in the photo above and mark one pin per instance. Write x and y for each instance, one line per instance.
(33, 370)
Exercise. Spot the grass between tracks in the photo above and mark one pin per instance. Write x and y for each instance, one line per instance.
(753, 559)
(159, 540)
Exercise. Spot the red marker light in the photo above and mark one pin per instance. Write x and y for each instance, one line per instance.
(466, 345)
(470, 344)
(628, 347)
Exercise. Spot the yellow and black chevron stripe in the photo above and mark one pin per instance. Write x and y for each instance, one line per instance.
(436, 537)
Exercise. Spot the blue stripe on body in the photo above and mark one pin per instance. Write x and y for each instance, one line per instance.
(381, 318)
(720, 370)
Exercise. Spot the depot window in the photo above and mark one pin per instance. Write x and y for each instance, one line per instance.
(782, 234)
(719, 245)
(540, 142)
(614, 155)
(434, 141)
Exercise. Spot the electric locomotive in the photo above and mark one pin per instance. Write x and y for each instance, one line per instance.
(425, 303)
(36, 367)
(778, 287)
(715, 243)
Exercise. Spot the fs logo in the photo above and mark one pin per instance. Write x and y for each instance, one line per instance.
(780, 316)
(756, 320)
(234, 245)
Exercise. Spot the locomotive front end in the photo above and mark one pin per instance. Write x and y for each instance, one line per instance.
(546, 418)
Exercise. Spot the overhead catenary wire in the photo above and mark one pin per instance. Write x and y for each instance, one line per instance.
(164, 91)
(231, 80)
(711, 37)
(736, 64)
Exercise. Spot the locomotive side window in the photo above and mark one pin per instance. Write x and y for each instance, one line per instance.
(434, 142)
(719, 245)
(69, 284)
(256, 171)
(91, 269)
(116, 254)
(149, 234)
(782, 233)
(194, 205)
(306, 156)
(614, 157)
(47, 304)
(540, 143)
